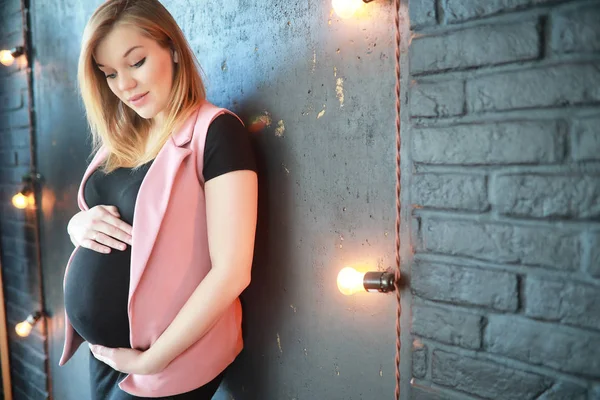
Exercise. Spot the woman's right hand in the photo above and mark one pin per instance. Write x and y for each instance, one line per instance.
(99, 229)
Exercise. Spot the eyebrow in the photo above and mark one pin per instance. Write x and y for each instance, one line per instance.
(124, 55)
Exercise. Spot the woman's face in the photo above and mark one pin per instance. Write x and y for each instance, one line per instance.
(137, 70)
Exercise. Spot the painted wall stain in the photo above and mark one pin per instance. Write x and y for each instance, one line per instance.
(287, 171)
(337, 369)
(314, 62)
(259, 122)
(321, 113)
(224, 66)
(279, 344)
(339, 90)
(293, 307)
(280, 129)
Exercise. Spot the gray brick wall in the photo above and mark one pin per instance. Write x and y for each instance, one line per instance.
(18, 249)
(504, 140)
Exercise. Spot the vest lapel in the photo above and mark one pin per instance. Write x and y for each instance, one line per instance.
(150, 207)
(153, 198)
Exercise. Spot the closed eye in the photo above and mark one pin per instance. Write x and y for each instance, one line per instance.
(140, 63)
(136, 65)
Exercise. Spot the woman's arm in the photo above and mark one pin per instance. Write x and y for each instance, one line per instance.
(231, 213)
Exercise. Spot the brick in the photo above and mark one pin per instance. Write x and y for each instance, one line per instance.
(18, 248)
(499, 143)
(439, 99)
(32, 392)
(12, 22)
(15, 118)
(468, 286)
(463, 10)
(564, 391)
(545, 247)
(9, 7)
(591, 254)
(16, 264)
(421, 13)
(541, 343)
(576, 30)
(14, 158)
(489, 45)
(13, 175)
(22, 299)
(447, 326)
(429, 393)
(484, 378)
(585, 140)
(11, 139)
(419, 359)
(544, 196)
(567, 302)
(13, 91)
(12, 101)
(34, 376)
(9, 211)
(555, 86)
(450, 191)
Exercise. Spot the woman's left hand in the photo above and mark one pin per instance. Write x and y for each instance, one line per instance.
(129, 361)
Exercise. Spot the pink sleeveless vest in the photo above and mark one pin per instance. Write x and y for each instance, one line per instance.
(169, 258)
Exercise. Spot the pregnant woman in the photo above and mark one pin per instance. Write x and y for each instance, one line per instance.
(165, 236)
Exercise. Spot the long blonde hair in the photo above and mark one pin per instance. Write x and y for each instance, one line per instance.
(122, 132)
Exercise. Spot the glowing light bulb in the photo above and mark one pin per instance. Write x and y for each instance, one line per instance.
(24, 328)
(350, 281)
(346, 8)
(21, 201)
(6, 57)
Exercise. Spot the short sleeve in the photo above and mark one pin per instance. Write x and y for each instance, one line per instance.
(228, 148)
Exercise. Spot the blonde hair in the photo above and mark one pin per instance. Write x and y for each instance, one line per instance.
(114, 125)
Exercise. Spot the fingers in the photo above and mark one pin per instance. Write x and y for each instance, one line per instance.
(93, 245)
(113, 217)
(116, 227)
(106, 231)
(108, 240)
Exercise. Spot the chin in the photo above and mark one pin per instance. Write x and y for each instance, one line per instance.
(146, 114)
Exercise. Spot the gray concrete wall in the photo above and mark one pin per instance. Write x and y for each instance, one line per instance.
(326, 193)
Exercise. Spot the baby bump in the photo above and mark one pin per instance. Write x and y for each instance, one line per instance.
(96, 293)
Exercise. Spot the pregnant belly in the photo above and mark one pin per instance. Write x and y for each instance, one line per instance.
(96, 292)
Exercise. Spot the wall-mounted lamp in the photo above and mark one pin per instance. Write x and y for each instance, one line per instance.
(25, 197)
(347, 8)
(7, 57)
(351, 281)
(24, 328)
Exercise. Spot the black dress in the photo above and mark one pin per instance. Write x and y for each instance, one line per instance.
(97, 285)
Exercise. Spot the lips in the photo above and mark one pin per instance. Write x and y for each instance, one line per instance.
(137, 97)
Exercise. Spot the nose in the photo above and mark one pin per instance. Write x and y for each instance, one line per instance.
(126, 82)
